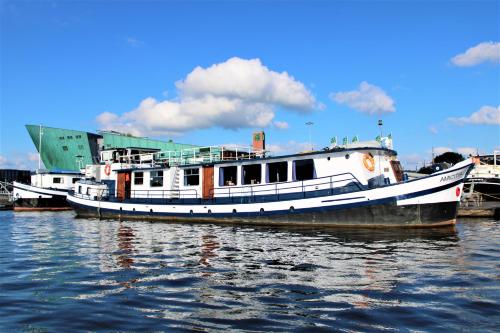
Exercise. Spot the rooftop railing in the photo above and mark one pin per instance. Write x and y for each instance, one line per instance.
(190, 156)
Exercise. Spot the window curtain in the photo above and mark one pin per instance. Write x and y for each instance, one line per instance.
(221, 176)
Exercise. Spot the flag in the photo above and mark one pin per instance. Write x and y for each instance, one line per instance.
(378, 138)
(355, 139)
(333, 141)
(345, 140)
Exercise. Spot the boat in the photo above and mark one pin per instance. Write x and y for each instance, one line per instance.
(46, 191)
(484, 179)
(362, 186)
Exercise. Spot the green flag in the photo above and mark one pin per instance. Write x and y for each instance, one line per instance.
(345, 140)
(355, 139)
(378, 138)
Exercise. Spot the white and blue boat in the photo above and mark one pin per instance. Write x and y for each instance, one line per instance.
(343, 186)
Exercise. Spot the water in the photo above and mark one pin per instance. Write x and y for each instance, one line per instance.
(61, 274)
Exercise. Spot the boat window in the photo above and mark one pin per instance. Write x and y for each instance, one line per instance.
(277, 172)
(138, 178)
(80, 189)
(88, 191)
(57, 180)
(227, 176)
(304, 169)
(252, 174)
(191, 177)
(75, 180)
(156, 179)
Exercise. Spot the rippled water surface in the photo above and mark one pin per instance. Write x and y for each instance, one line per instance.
(61, 274)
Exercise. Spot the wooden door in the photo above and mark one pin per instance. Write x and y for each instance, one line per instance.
(123, 185)
(120, 186)
(208, 182)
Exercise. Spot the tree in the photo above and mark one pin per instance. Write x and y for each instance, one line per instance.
(449, 157)
(425, 170)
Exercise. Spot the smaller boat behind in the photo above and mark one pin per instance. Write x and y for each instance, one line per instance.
(484, 179)
(47, 191)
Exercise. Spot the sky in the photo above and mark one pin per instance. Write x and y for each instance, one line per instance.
(212, 72)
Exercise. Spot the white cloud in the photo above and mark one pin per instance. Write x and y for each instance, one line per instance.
(466, 151)
(369, 99)
(433, 129)
(281, 125)
(487, 115)
(289, 147)
(440, 150)
(21, 161)
(483, 52)
(234, 94)
(134, 42)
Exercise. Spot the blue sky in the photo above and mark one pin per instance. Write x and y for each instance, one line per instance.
(131, 65)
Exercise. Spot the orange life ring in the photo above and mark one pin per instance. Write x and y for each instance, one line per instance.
(107, 169)
(369, 162)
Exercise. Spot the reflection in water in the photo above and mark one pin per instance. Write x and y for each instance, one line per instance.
(157, 276)
(126, 246)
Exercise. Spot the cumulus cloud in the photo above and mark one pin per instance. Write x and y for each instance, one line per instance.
(368, 99)
(487, 115)
(281, 125)
(483, 52)
(433, 129)
(288, 147)
(22, 161)
(440, 150)
(234, 94)
(466, 151)
(134, 42)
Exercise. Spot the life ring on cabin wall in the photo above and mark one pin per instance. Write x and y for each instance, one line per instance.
(369, 162)
(107, 169)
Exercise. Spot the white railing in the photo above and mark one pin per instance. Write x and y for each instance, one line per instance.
(195, 155)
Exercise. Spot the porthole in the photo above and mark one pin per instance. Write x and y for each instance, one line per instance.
(347, 156)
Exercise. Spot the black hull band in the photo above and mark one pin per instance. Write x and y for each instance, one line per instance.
(380, 215)
(54, 203)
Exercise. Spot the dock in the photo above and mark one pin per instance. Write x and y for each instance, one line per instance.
(489, 209)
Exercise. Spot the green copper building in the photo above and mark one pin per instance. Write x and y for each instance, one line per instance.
(64, 149)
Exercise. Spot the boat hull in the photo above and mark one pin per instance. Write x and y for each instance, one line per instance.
(32, 198)
(488, 187)
(426, 202)
(369, 216)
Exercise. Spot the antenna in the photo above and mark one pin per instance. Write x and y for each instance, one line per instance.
(309, 124)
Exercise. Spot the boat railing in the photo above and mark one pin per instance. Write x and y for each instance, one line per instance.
(136, 195)
(298, 189)
(303, 186)
(193, 155)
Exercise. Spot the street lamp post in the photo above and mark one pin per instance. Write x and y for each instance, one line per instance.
(309, 124)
